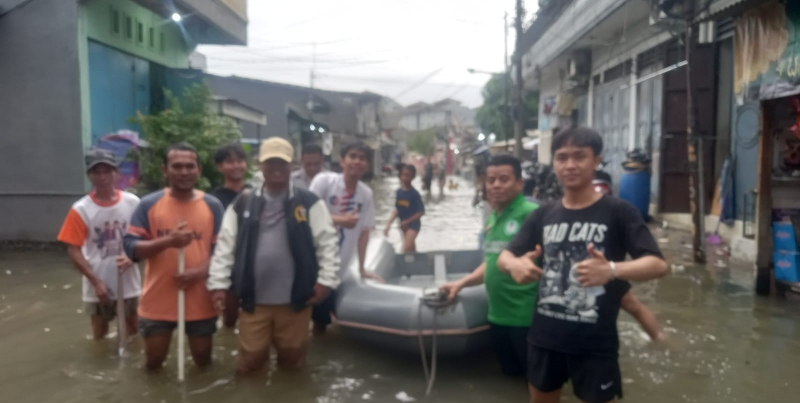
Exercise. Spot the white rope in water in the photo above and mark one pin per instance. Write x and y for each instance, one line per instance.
(437, 302)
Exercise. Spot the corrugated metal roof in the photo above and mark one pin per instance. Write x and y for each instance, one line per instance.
(729, 8)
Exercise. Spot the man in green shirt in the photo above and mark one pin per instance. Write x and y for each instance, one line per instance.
(510, 304)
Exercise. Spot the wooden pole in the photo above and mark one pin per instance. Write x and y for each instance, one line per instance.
(695, 182)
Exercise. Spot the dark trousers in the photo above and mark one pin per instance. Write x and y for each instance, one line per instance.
(321, 315)
(511, 347)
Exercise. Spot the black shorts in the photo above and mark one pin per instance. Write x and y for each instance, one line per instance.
(511, 347)
(594, 379)
(321, 314)
(194, 328)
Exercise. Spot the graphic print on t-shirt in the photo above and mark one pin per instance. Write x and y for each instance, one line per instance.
(561, 296)
(344, 204)
(108, 238)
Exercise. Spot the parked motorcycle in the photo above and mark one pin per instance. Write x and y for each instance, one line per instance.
(602, 180)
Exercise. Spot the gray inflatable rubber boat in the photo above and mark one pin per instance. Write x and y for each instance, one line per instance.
(407, 310)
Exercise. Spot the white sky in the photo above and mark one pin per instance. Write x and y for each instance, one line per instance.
(384, 46)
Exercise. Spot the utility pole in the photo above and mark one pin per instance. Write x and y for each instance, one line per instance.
(311, 84)
(507, 124)
(519, 107)
(696, 202)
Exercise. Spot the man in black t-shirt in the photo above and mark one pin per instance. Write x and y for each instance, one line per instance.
(583, 240)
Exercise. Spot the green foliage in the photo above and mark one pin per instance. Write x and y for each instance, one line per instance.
(423, 142)
(491, 116)
(189, 120)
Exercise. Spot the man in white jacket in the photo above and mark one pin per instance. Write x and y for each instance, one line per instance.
(279, 248)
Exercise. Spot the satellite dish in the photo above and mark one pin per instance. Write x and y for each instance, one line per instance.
(327, 143)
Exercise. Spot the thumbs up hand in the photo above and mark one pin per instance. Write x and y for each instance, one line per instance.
(595, 270)
(524, 270)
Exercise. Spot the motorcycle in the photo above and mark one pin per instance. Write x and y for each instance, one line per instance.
(602, 180)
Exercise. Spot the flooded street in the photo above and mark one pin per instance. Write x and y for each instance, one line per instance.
(728, 344)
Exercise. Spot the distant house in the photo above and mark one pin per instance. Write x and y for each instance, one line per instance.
(303, 115)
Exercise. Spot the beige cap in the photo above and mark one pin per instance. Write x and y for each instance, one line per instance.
(276, 147)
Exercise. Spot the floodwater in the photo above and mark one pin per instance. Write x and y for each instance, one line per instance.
(727, 344)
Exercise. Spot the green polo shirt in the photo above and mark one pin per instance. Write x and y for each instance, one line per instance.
(510, 304)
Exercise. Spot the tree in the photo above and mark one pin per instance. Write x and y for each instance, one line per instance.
(423, 142)
(491, 116)
(189, 120)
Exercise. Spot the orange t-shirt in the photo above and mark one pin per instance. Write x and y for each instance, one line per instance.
(157, 215)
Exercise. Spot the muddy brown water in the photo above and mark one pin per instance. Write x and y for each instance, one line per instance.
(728, 344)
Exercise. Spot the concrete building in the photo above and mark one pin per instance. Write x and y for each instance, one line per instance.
(72, 71)
(620, 67)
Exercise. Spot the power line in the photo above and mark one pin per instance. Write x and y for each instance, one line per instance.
(420, 82)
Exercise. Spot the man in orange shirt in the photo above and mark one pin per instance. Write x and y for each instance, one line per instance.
(165, 221)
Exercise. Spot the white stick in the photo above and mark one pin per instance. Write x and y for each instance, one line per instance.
(121, 322)
(181, 320)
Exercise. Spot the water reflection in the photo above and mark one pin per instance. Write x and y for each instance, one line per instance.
(728, 345)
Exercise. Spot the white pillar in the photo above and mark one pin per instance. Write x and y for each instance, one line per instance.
(632, 107)
(590, 102)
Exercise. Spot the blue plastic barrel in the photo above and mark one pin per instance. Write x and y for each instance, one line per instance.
(634, 187)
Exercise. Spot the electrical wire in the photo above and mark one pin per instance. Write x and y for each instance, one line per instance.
(420, 82)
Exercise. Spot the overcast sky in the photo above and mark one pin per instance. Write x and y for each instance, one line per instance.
(410, 50)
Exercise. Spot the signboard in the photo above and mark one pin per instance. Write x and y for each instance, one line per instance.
(768, 52)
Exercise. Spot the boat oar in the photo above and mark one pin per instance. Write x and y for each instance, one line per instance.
(122, 330)
(181, 319)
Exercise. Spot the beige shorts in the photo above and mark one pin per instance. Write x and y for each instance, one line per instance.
(109, 311)
(275, 325)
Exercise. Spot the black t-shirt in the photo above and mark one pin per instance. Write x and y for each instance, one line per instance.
(225, 195)
(570, 318)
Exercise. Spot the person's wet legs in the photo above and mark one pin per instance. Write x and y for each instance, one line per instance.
(156, 348)
(409, 240)
(291, 336)
(99, 327)
(255, 339)
(200, 347)
(538, 396)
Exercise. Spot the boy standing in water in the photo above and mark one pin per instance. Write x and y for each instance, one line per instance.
(179, 217)
(409, 208)
(97, 255)
(583, 240)
(231, 161)
(350, 203)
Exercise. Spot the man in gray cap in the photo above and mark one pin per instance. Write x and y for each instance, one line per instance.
(93, 232)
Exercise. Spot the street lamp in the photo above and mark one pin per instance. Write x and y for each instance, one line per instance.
(476, 71)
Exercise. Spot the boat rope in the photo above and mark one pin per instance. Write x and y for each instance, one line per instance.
(437, 301)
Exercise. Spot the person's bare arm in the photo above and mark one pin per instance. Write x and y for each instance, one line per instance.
(522, 269)
(347, 220)
(363, 241)
(647, 320)
(597, 270)
(389, 222)
(642, 269)
(83, 266)
(180, 237)
(475, 278)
